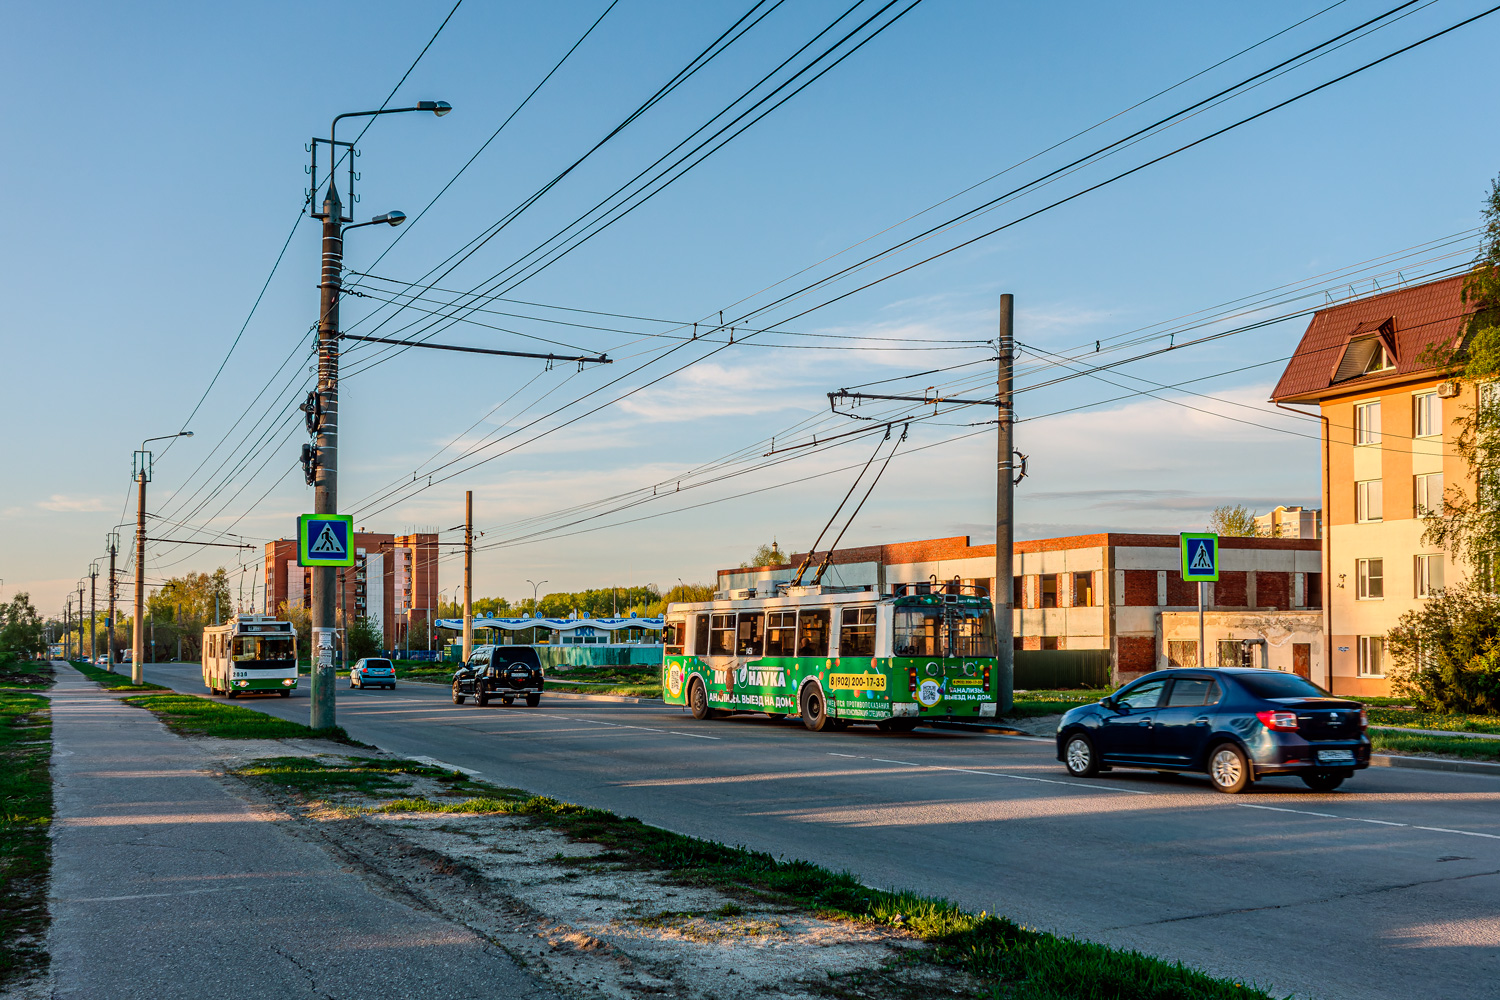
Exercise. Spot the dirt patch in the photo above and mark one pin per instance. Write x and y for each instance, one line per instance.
(589, 922)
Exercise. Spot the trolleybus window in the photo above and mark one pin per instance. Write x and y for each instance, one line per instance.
(781, 633)
(944, 630)
(700, 635)
(812, 633)
(721, 636)
(273, 650)
(857, 632)
(973, 631)
(917, 631)
(673, 636)
(751, 632)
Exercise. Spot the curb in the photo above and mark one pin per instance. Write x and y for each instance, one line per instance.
(1435, 764)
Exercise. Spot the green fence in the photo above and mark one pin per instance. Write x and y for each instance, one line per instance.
(1056, 669)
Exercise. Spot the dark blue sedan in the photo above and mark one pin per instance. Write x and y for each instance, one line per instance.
(1236, 725)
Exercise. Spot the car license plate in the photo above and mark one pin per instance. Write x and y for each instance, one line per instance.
(1335, 756)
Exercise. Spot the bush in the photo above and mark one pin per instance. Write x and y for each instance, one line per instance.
(1447, 653)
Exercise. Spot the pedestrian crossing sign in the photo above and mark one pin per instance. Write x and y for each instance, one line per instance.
(324, 540)
(1200, 556)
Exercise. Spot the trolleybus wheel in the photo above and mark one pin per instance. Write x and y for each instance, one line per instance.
(814, 711)
(229, 692)
(903, 725)
(533, 700)
(698, 700)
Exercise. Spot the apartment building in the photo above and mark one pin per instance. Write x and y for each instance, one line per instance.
(394, 580)
(1104, 591)
(1290, 522)
(1388, 450)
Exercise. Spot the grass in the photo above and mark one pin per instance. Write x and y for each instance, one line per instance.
(35, 675)
(25, 848)
(1008, 961)
(1035, 703)
(190, 715)
(1385, 741)
(114, 682)
(1418, 719)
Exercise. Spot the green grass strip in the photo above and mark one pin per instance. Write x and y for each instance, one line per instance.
(112, 681)
(1385, 741)
(190, 715)
(1011, 962)
(31, 675)
(1417, 719)
(25, 848)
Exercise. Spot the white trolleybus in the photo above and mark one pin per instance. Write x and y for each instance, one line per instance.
(834, 656)
(250, 654)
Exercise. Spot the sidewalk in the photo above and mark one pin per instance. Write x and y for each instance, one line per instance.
(164, 885)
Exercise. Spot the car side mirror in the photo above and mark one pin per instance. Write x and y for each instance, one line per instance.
(1108, 703)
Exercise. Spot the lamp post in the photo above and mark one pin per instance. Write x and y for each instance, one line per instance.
(142, 477)
(321, 459)
(534, 588)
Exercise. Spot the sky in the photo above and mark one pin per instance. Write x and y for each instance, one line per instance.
(158, 163)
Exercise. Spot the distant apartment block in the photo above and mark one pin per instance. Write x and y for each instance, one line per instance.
(393, 581)
(1389, 449)
(1290, 522)
(1106, 591)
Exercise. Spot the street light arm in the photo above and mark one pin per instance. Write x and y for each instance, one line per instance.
(438, 108)
(166, 437)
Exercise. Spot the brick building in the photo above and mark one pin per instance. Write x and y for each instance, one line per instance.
(394, 580)
(1105, 591)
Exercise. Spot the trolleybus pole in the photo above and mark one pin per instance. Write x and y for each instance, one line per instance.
(1005, 533)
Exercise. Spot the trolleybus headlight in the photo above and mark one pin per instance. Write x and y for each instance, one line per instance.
(289, 682)
(242, 683)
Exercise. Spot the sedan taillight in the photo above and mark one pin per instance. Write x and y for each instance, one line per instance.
(1364, 720)
(1281, 721)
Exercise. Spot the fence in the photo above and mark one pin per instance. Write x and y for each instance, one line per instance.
(1057, 669)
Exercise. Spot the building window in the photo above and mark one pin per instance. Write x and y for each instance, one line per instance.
(1428, 493)
(1371, 656)
(1429, 575)
(1369, 497)
(1049, 590)
(1427, 415)
(1083, 590)
(1371, 574)
(1049, 642)
(1018, 591)
(1182, 653)
(1229, 653)
(1367, 423)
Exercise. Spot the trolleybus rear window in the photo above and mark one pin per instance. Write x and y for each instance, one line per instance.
(269, 650)
(857, 632)
(673, 636)
(721, 636)
(944, 630)
(700, 635)
(781, 633)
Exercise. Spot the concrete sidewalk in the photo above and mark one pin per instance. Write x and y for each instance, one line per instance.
(165, 885)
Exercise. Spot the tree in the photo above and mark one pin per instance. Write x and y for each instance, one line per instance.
(1469, 525)
(1446, 653)
(364, 639)
(23, 631)
(1232, 521)
(766, 555)
(689, 592)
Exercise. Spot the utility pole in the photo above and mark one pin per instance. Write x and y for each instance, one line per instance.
(468, 574)
(67, 627)
(80, 626)
(1005, 497)
(93, 612)
(177, 624)
(138, 638)
(113, 538)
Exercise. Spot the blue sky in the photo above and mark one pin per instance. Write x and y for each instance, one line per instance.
(156, 167)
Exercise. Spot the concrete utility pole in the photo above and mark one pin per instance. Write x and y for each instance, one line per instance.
(138, 636)
(1005, 497)
(324, 414)
(93, 611)
(113, 539)
(67, 643)
(468, 573)
(80, 626)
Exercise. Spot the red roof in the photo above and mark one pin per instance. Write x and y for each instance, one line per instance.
(1421, 316)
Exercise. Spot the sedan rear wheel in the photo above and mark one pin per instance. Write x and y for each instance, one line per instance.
(1323, 781)
(1228, 769)
(1079, 756)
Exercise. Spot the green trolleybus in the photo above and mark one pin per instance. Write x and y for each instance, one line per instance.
(250, 654)
(834, 656)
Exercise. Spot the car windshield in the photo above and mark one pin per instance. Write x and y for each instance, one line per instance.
(1273, 684)
(378, 664)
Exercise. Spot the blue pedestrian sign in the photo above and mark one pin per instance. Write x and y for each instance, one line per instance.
(1200, 556)
(325, 540)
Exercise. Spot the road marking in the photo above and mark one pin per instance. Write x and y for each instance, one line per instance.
(621, 725)
(434, 762)
(1461, 833)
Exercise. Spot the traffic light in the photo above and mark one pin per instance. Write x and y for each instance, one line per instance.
(310, 463)
(313, 409)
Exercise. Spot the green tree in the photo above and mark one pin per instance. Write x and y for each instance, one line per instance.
(1446, 654)
(23, 632)
(683, 593)
(301, 619)
(766, 555)
(1232, 521)
(364, 639)
(1469, 525)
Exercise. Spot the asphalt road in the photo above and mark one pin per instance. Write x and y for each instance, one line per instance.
(1386, 888)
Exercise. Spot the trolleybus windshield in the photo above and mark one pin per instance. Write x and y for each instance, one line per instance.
(262, 650)
(944, 630)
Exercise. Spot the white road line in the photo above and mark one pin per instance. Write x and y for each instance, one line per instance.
(1461, 833)
(434, 762)
(621, 725)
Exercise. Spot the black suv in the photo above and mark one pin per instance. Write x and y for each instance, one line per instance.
(1235, 724)
(504, 672)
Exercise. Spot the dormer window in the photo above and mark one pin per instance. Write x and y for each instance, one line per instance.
(1370, 349)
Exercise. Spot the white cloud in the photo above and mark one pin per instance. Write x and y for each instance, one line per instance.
(72, 505)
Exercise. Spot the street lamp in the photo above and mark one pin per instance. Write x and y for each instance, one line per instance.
(142, 473)
(321, 459)
(534, 588)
